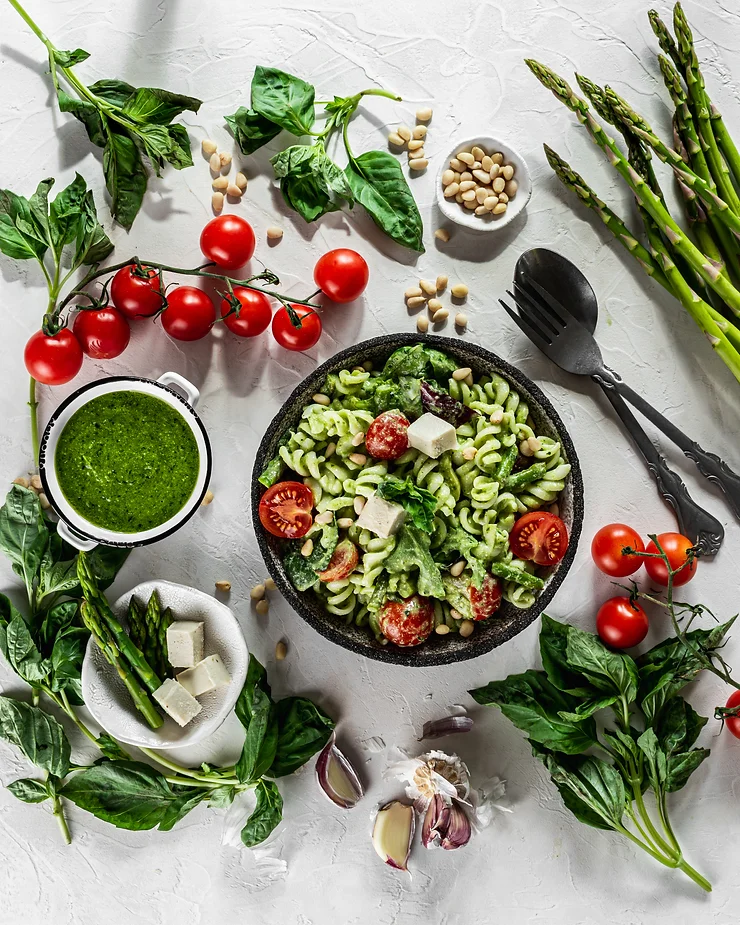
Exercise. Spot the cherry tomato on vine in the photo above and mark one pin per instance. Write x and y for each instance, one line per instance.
(676, 547)
(733, 722)
(254, 315)
(55, 359)
(341, 274)
(228, 240)
(607, 546)
(387, 436)
(621, 623)
(488, 600)
(292, 338)
(136, 296)
(408, 622)
(343, 562)
(285, 510)
(103, 333)
(189, 314)
(539, 536)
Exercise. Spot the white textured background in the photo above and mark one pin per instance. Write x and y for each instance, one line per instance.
(537, 865)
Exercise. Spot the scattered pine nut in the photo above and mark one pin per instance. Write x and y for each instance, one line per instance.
(217, 201)
(457, 569)
(442, 630)
(23, 482)
(420, 131)
(257, 592)
(215, 162)
(427, 286)
(404, 131)
(470, 452)
(418, 163)
(416, 144)
(413, 292)
(442, 234)
(330, 450)
(461, 320)
(358, 504)
(225, 159)
(525, 449)
(396, 140)
(459, 291)
(207, 498)
(358, 439)
(441, 282)
(307, 548)
(270, 584)
(490, 176)
(325, 518)
(224, 586)
(36, 482)
(220, 183)
(497, 416)
(416, 301)
(274, 233)
(455, 614)
(424, 115)
(535, 444)
(359, 459)
(320, 399)
(466, 628)
(469, 381)
(442, 314)
(263, 607)
(433, 305)
(422, 324)
(208, 147)
(281, 650)
(233, 190)
(44, 501)
(241, 181)
(462, 373)
(344, 523)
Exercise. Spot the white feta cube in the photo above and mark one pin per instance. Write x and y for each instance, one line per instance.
(205, 676)
(185, 643)
(177, 702)
(381, 517)
(432, 435)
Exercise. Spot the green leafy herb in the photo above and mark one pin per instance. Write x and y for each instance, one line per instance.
(28, 790)
(255, 711)
(410, 554)
(266, 816)
(303, 730)
(302, 570)
(418, 503)
(251, 130)
(420, 362)
(283, 99)
(36, 734)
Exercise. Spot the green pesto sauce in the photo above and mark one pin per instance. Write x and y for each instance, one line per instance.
(127, 461)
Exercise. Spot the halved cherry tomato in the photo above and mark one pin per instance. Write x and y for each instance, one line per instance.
(621, 623)
(53, 360)
(539, 536)
(254, 314)
(676, 547)
(103, 333)
(408, 622)
(228, 240)
(285, 510)
(387, 436)
(488, 600)
(190, 313)
(136, 296)
(733, 722)
(607, 546)
(292, 338)
(341, 274)
(343, 562)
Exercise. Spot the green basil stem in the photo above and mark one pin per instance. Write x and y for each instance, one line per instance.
(33, 405)
(185, 772)
(58, 812)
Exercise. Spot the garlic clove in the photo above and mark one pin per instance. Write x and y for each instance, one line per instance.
(336, 776)
(459, 829)
(435, 822)
(448, 725)
(447, 822)
(393, 833)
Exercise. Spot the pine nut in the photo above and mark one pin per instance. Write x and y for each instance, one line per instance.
(465, 175)
(482, 176)
(321, 399)
(455, 614)
(511, 187)
(462, 373)
(415, 301)
(422, 324)
(494, 172)
(457, 177)
(416, 144)
(442, 314)
(257, 592)
(448, 176)
(466, 628)
(396, 140)
(442, 630)
(466, 157)
(217, 202)
(433, 305)
(497, 158)
(555, 509)
(208, 147)
(525, 449)
(359, 459)
(358, 504)
(466, 185)
(418, 163)
(507, 172)
(326, 518)
(215, 163)
(330, 450)
(481, 194)
(457, 164)
(471, 204)
(458, 197)
(441, 282)
(428, 286)
(457, 569)
(44, 501)
(233, 190)
(502, 197)
(220, 183)
(413, 292)
(481, 210)
(442, 234)
(404, 131)
(281, 650)
(461, 320)
(452, 190)
(263, 607)
(470, 452)
(535, 444)
(241, 181)
(358, 439)
(424, 115)
(459, 291)
(477, 152)
(469, 195)
(274, 233)
(344, 523)
(270, 584)
(420, 131)
(23, 482)
(499, 209)
(475, 165)
(486, 163)
(469, 381)
(224, 586)
(498, 185)
(497, 416)
(490, 202)
(225, 159)
(36, 479)
(207, 498)
(307, 547)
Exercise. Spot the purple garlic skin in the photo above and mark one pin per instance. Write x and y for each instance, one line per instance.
(447, 823)
(336, 776)
(448, 725)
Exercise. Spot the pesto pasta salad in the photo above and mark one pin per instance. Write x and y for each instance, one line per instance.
(413, 499)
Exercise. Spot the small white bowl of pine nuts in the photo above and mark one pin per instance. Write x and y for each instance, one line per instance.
(483, 184)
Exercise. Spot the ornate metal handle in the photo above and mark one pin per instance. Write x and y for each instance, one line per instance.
(693, 521)
(710, 465)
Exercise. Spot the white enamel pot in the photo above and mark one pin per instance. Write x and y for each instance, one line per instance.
(73, 527)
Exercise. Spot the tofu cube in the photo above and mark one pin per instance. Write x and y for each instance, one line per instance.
(185, 643)
(381, 517)
(206, 676)
(432, 435)
(177, 702)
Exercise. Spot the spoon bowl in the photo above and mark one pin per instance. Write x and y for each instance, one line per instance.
(562, 279)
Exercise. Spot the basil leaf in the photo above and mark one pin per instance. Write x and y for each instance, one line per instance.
(23, 533)
(403, 395)
(29, 791)
(266, 816)
(303, 730)
(38, 206)
(157, 107)
(553, 651)
(111, 749)
(186, 800)
(418, 503)
(96, 125)
(129, 795)
(115, 92)
(221, 797)
(598, 788)
(299, 572)
(37, 734)
(309, 180)
(283, 99)
(67, 656)
(23, 654)
(589, 707)
(655, 760)
(251, 130)
(125, 177)
(8, 613)
(93, 244)
(261, 739)
(624, 745)
(681, 766)
(533, 704)
(69, 58)
(411, 553)
(606, 670)
(679, 725)
(56, 621)
(302, 570)
(378, 184)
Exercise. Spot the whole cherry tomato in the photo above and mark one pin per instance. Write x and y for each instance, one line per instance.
(621, 623)
(607, 546)
(254, 313)
(387, 436)
(676, 547)
(488, 600)
(103, 333)
(228, 240)
(733, 722)
(408, 622)
(292, 338)
(189, 315)
(55, 359)
(342, 274)
(136, 296)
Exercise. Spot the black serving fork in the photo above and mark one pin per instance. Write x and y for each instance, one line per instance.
(572, 347)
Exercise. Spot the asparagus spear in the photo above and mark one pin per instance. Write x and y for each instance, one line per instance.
(152, 616)
(164, 665)
(128, 650)
(135, 623)
(107, 645)
(665, 39)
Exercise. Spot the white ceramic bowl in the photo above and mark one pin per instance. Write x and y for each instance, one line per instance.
(110, 703)
(458, 214)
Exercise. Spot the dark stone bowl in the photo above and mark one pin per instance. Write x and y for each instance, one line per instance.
(438, 650)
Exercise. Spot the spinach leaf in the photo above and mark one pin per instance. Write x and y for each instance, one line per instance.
(23, 534)
(255, 711)
(418, 503)
(411, 553)
(283, 99)
(55, 622)
(67, 655)
(37, 734)
(534, 705)
(420, 362)
(608, 671)
(129, 795)
(378, 184)
(266, 816)
(29, 791)
(23, 653)
(596, 789)
(303, 730)
(251, 130)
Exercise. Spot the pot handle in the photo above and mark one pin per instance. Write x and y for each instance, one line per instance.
(191, 393)
(74, 538)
